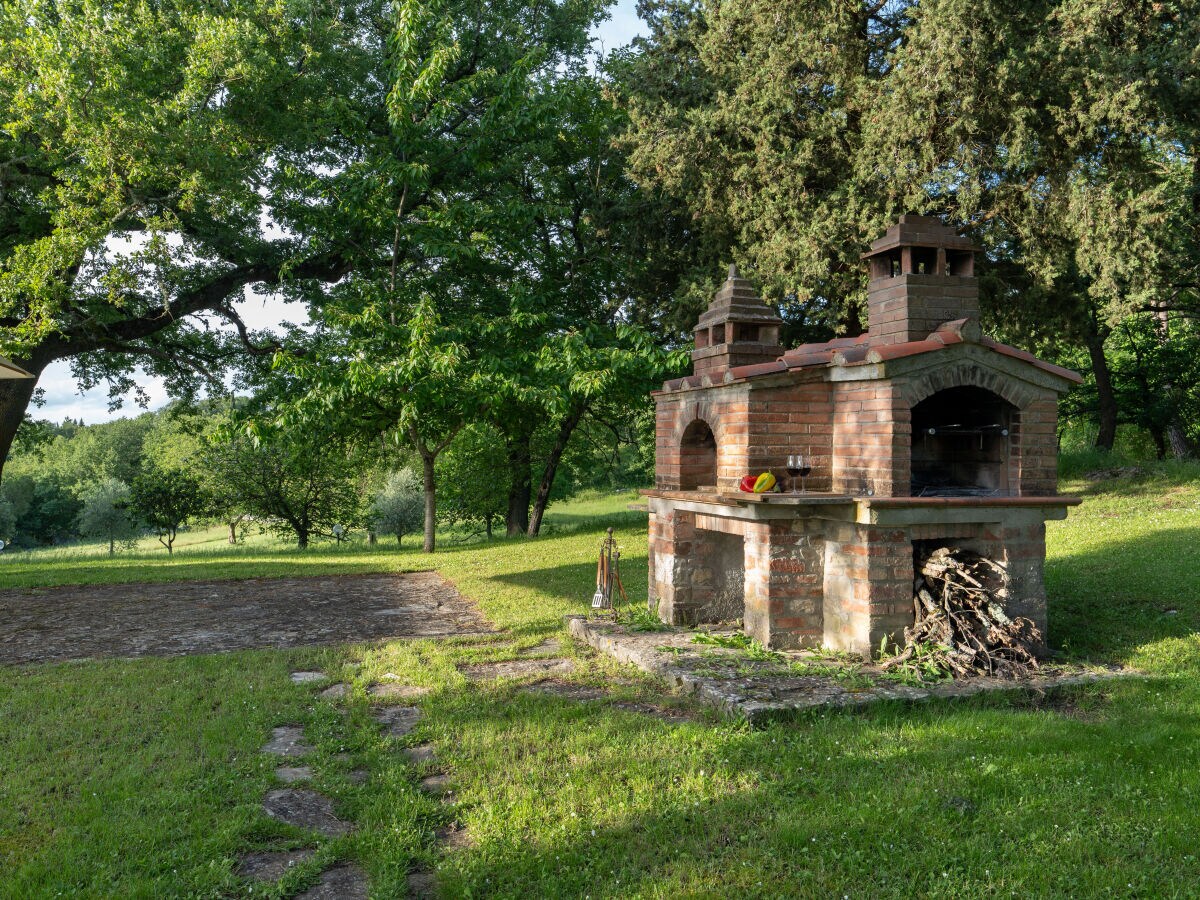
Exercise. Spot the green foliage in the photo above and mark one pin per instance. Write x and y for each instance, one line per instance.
(106, 513)
(474, 478)
(399, 507)
(302, 483)
(166, 500)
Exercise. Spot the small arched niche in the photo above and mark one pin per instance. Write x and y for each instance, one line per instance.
(697, 457)
(961, 444)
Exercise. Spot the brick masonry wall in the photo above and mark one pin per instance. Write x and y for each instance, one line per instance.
(871, 437)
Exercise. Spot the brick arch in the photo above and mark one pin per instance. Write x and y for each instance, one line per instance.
(968, 374)
(697, 443)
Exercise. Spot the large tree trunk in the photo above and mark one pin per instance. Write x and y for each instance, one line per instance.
(1107, 435)
(565, 429)
(15, 394)
(520, 485)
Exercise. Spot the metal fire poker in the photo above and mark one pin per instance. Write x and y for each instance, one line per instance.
(608, 576)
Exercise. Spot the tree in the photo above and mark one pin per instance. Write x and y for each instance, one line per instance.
(301, 483)
(136, 154)
(753, 116)
(399, 507)
(474, 477)
(1068, 133)
(105, 513)
(166, 500)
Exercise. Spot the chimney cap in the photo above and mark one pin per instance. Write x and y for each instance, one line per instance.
(920, 231)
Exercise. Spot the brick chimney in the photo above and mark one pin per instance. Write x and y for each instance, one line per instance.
(922, 275)
(738, 329)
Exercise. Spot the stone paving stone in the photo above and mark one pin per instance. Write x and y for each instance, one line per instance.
(398, 721)
(343, 882)
(335, 691)
(358, 776)
(422, 753)
(438, 785)
(305, 809)
(453, 838)
(550, 645)
(308, 677)
(422, 884)
(566, 690)
(287, 740)
(518, 668)
(132, 620)
(291, 774)
(394, 691)
(270, 865)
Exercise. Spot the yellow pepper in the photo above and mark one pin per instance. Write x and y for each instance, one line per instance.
(765, 482)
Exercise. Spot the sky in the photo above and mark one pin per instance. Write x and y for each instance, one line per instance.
(62, 397)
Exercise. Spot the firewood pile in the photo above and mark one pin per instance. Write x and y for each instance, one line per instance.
(961, 625)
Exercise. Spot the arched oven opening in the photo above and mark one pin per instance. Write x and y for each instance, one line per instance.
(961, 444)
(698, 457)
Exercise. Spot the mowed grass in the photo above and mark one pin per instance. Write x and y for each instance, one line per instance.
(142, 778)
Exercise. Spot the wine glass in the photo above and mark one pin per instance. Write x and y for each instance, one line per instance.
(796, 467)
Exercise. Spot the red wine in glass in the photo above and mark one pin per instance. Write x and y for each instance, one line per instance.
(797, 466)
(804, 473)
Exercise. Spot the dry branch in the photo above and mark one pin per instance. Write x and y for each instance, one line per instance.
(961, 624)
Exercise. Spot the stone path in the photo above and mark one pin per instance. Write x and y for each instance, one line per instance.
(308, 809)
(130, 620)
(302, 808)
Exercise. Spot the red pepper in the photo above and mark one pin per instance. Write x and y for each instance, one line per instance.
(747, 483)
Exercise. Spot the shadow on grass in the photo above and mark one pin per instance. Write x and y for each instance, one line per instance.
(891, 798)
(1104, 603)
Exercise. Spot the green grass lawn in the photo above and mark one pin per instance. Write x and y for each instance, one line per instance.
(143, 778)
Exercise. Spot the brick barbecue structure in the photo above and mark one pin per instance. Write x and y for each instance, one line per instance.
(922, 432)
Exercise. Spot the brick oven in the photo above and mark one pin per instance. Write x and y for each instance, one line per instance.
(922, 432)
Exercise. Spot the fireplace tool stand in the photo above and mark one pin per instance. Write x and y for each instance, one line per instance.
(608, 581)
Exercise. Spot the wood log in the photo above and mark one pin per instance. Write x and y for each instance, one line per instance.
(960, 620)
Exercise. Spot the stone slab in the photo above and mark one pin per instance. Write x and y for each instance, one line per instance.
(292, 774)
(288, 741)
(270, 865)
(304, 808)
(422, 884)
(394, 691)
(438, 785)
(307, 677)
(335, 691)
(420, 754)
(518, 668)
(398, 721)
(548, 646)
(344, 882)
(760, 691)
